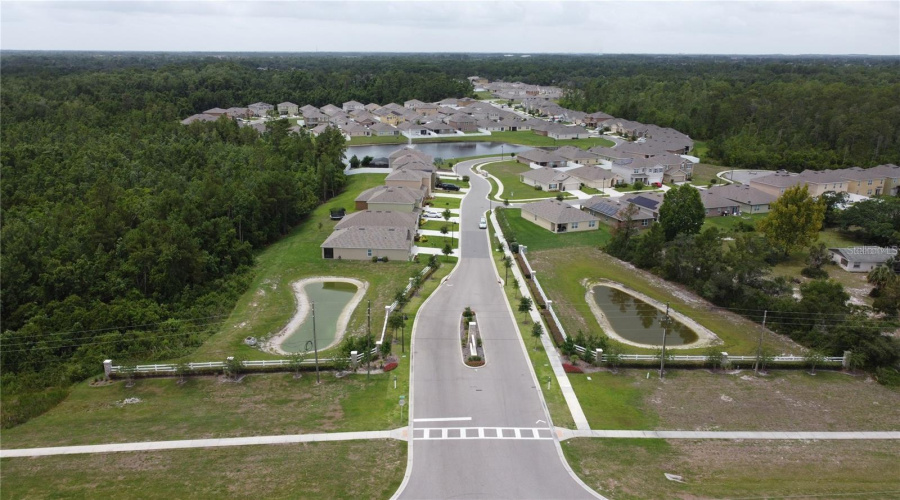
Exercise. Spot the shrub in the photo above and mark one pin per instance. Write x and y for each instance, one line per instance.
(538, 188)
(390, 366)
(570, 368)
(638, 185)
(384, 259)
(374, 259)
(465, 178)
(815, 273)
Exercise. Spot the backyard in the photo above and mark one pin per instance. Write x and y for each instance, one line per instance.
(514, 189)
(537, 238)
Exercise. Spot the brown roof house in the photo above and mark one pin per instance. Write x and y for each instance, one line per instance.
(396, 158)
(463, 123)
(548, 179)
(388, 198)
(558, 217)
(411, 178)
(749, 199)
(541, 157)
(578, 155)
(614, 212)
(369, 242)
(595, 177)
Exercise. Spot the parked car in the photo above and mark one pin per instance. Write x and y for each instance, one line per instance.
(657, 184)
(448, 187)
(431, 215)
(482, 224)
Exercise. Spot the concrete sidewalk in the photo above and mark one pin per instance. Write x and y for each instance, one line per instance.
(401, 434)
(562, 379)
(564, 434)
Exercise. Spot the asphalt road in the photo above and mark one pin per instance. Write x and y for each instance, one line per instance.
(508, 450)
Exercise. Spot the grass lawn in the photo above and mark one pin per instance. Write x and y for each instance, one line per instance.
(351, 469)
(269, 302)
(562, 272)
(459, 182)
(483, 95)
(538, 238)
(556, 403)
(630, 188)
(513, 189)
(701, 400)
(376, 139)
(438, 241)
(633, 468)
(704, 172)
(439, 202)
(590, 190)
(728, 224)
(525, 138)
(435, 224)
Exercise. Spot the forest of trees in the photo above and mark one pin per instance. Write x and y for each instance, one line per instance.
(122, 227)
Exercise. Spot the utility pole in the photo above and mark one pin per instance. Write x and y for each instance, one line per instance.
(368, 338)
(662, 356)
(759, 346)
(402, 326)
(315, 343)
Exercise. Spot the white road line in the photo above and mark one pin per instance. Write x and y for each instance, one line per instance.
(443, 433)
(447, 419)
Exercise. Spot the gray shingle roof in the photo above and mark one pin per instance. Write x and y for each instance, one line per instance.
(540, 156)
(391, 194)
(546, 175)
(557, 212)
(743, 194)
(379, 218)
(869, 255)
(616, 209)
(588, 173)
(383, 238)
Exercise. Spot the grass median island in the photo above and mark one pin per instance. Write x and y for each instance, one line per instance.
(556, 403)
(537, 238)
(513, 188)
(633, 468)
(350, 469)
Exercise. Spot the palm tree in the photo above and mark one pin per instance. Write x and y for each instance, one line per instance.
(881, 277)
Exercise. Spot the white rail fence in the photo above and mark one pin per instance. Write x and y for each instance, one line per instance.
(726, 359)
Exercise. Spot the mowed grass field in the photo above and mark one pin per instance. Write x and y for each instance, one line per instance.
(513, 188)
(634, 468)
(538, 238)
(351, 469)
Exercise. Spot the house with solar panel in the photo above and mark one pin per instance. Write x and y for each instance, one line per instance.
(615, 212)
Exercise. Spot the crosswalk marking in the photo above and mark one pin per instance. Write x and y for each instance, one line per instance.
(451, 433)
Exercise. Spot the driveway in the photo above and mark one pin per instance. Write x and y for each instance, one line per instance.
(478, 432)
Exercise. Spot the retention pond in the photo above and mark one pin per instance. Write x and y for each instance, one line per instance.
(636, 321)
(334, 299)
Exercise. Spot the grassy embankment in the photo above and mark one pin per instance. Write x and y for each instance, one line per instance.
(514, 189)
(351, 469)
(556, 403)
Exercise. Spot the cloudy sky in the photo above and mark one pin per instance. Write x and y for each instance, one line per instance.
(620, 26)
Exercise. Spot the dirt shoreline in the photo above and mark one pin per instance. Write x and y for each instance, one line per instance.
(705, 336)
(273, 344)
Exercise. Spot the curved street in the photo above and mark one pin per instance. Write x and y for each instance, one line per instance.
(485, 432)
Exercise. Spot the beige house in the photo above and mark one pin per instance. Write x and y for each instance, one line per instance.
(817, 182)
(365, 243)
(288, 108)
(379, 218)
(541, 157)
(595, 177)
(578, 155)
(549, 180)
(749, 199)
(388, 198)
(558, 217)
(406, 154)
(412, 179)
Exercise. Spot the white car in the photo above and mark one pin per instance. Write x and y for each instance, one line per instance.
(431, 215)
(483, 223)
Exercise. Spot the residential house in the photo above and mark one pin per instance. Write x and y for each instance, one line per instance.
(396, 199)
(426, 109)
(563, 132)
(412, 129)
(313, 118)
(615, 212)
(387, 115)
(260, 108)
(365, 119)
(492, 126)
(549, 179)
(578, 156)
(215, 112)
(609, 154)
(288, 108)
(318, 129)
(627, 127)
(439, 128)
(371, 107)
(355, 130)
(891, 175)
(331, 109)
(596, 119)
(199, 117)
(463, 123)
(383, 129)
(645, 170)
(861, 259)
(380, 218)
(397, 157)
(749, 199)
(713, 204)
(411, 178)
(368, 242)
(541, 157)
(412, 104)
(308, 108)
(350, 106)
(558, 217)
(237, 112)
(594, 177)
(817, 182)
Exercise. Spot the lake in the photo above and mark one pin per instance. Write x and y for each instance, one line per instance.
(438, 149)
(637, 321)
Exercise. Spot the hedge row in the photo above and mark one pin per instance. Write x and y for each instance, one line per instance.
(557, 335)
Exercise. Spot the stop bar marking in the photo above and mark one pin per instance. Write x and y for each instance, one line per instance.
(447, 419)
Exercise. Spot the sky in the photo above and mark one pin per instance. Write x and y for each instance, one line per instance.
(620, 26)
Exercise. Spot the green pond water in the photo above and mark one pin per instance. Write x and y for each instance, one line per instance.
(330, 298)
(637, 321)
